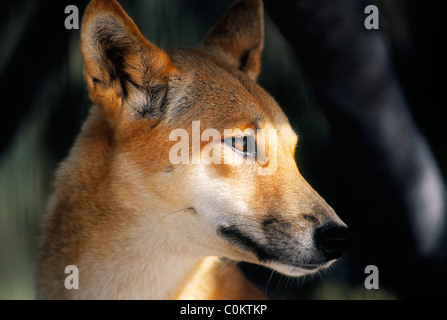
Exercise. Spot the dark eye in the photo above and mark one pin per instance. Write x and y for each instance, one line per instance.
(243, 144)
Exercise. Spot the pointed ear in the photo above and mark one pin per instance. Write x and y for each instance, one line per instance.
(238, 37)
(125, 74)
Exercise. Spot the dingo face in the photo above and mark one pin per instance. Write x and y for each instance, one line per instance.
(145, 94)
(149, 189)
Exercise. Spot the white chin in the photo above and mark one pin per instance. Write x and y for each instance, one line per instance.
(296, 271)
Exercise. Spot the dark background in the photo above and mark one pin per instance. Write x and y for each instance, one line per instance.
(367, 106)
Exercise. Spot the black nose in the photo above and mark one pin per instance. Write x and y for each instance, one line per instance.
(332, 240)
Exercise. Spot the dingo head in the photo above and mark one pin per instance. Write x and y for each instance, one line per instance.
(241, 210)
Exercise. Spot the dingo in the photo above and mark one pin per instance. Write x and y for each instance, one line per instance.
(138, 226)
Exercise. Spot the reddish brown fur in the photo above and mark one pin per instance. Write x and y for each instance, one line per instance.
(121, 210)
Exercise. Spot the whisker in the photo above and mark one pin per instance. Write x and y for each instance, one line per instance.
(269, 281)
(170, 213)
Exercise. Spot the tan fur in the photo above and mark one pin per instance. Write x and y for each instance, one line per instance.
(138, 227)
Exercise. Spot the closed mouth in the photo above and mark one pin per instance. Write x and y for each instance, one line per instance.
(296, 270)
(237, 238)
(304, 266)
(309, 267)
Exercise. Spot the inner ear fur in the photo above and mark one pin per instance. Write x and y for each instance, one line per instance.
(124, 72)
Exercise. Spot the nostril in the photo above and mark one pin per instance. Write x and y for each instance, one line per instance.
(332, 240)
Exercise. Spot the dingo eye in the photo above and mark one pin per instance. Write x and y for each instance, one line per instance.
(243, 144)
